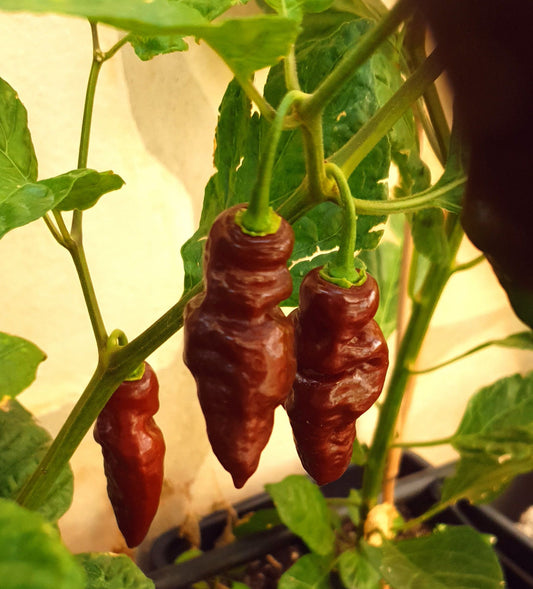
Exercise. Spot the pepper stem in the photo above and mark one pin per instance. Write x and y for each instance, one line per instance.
(259, 218)
(345, 270)
(117, 339)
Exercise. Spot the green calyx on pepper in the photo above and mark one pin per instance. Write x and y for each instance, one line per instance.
(346, 270)
(133, 449)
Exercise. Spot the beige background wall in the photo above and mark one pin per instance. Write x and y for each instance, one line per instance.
(143, 130)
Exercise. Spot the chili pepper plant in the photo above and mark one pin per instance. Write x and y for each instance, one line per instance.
(298, 214)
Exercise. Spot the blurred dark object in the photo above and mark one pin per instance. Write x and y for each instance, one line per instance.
(486, 47)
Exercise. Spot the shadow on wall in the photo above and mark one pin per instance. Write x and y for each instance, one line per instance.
(166, 95)
(174, 102)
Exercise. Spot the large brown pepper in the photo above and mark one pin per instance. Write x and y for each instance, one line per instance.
(238, 344)
(342, 361)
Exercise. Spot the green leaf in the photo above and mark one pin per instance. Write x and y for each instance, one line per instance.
(296, 8)
(31, 552)
(264, 519)
(147, 48)
(451, 558)
(244, 137)
(112, 571)
(359, 453)
(494, 439)
(238, 585)
(188, 555)
(405, 147)
(450, 187)
(318, 231)
(384, 264)
(19, 360)
(155, 17)
(210, 9)
(356, 572)
(522, 340)
(21, 200)
(371, 9)
(18, 164)
(303, 509)
(24, 205)
(224, 188)
(354, 506)
(22, 445)
(246, 45)
(311, 571)
(429, 234)
(80, 189)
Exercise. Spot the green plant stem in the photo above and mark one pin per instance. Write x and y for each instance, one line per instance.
(56, 234)
(291, 72)
(434, 123)
(117, 46)
(425, 444)
(266, 109)
(96, 66)
(302, 200)
(317, 182)
(355, 57)
(257, 219)
(112, 369)
(159, 332)
(108, 374)
(352, 153)
(74, 241)
(415, 332)
(314, 188)
(456, 358)
(413, 523)
(438, 121)
(77, 252)
(467, 265)
(343, 265)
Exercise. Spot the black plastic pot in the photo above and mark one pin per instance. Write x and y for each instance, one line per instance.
(417, 489)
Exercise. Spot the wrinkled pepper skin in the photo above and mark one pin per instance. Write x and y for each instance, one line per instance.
(238, 344)
(342, 360)
(134, 449)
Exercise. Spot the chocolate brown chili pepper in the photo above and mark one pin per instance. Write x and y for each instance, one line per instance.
(238, 344)
(342, 362)
(134, 451)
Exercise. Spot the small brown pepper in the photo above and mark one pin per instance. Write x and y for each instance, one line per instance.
(134, 449)
(342, 362)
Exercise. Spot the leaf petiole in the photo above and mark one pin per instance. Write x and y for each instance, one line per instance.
(258, 218)
(354, 58)
(352, 153)
(521, 340)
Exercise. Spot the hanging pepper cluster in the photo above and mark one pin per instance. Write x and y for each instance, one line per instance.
(326, 362)
(134, 449)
